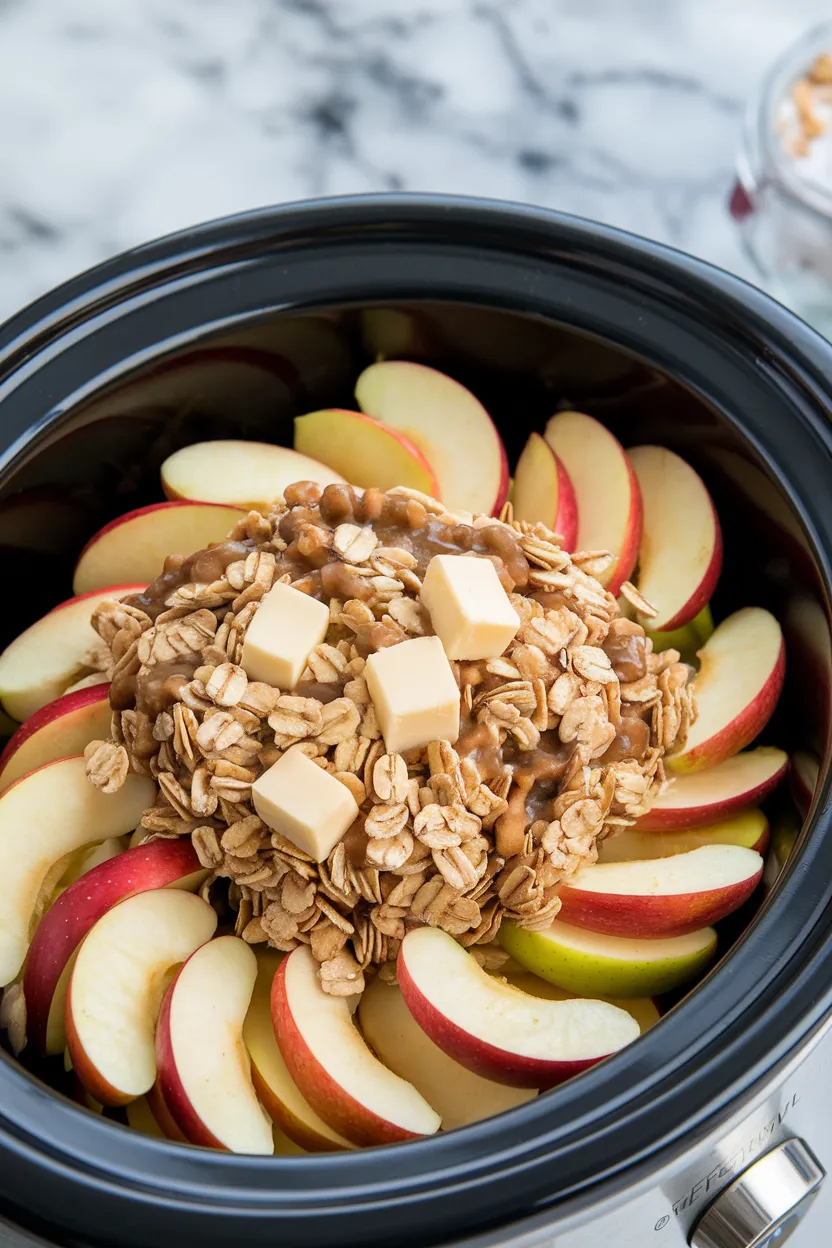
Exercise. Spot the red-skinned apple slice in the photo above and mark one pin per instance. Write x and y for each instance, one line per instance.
(364, 451)
(543, 492)
(45, 817)
(134, 546)
(278, 1093)
(804, 774)
(243, 474)
(332, 1066)
(45, 978)
(661, 896)
(157, 1105)
(58, 730)
(448, 424)
(702, 797)
(457, 1094)
(116, 988)
(495, 1030)
(606, 491)
(748, 828)
(39, 664)
(741, 674)
(204, 1069)
(680, 556)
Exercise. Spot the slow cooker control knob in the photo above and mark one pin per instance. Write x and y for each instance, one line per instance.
(762, 1207)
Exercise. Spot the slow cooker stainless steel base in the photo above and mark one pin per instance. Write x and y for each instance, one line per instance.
(672, 1141)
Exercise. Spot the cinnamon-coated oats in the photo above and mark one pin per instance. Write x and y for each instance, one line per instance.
(562, 737)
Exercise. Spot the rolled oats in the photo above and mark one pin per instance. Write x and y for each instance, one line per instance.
(444, 835)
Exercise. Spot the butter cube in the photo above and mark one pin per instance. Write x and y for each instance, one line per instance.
(286, 628)
(414, 693)
(468, 607)
(304, 803)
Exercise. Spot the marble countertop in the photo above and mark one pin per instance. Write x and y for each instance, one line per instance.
(124, 121)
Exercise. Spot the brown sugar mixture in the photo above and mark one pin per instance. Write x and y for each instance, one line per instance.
(561, 742)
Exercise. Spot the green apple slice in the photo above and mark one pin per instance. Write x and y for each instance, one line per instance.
(595, 964)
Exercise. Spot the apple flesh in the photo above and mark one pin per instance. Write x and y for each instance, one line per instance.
(204, 1069)
(273, 1084)
(542, 492)
(804, 773)
(680, 556)
(458, 1095)
(447, 423)
(740, 677)
(698, 798)
(643, 1009)
(365, 451)
(493, 1029)
(37, 666)
(662, 896)
(58, 730)
(134, 546)
(116, 988)
(332, 1066)
(45, 817)
(749, 828)
(155, 865)
(241, 474)
(606, 491)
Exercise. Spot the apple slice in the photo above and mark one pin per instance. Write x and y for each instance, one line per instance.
(458, 1095)
(496, 1031)
(581, 961)
(134, 546)
(273, 1084)
(157, 1105)
(748, 828)
(680, 556)
(45, 978)
(740, 677)
(662, 896)
(688, 639)
(643, 1009)
(332, 1066)
(58, 730)
(117, 984)
(449, 425)
(702, 797)
(45, 817)
(204, 1070)
(542, 491)
(606, 491)
(39, 664)
(242, 474)
(804, 773)
(87, 859)
(366, 452)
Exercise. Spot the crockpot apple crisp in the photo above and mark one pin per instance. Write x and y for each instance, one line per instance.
(556, 740)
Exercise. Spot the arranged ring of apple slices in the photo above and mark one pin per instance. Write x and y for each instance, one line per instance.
(106, 951)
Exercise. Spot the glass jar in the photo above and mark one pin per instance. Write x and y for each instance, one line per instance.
(783, 210)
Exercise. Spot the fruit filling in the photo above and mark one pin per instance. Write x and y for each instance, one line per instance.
(378, 815)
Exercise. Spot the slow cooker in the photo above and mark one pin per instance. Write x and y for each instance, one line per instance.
(714, 1128)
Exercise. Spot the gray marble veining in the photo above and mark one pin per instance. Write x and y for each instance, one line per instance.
(121, 121)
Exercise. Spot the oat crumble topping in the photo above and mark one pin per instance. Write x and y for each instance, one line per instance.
(561, 744)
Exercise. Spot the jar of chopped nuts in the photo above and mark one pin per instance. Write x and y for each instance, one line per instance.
(782, 199)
